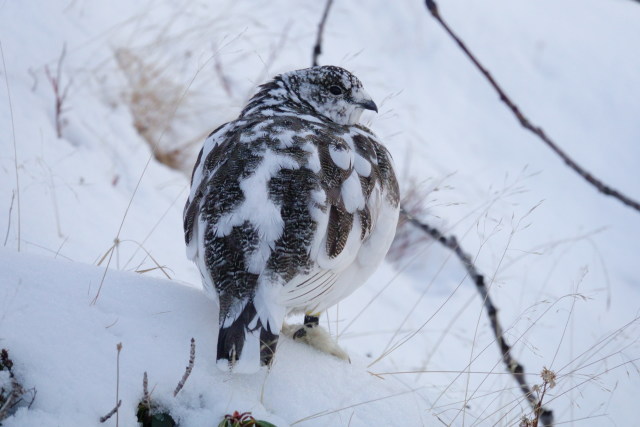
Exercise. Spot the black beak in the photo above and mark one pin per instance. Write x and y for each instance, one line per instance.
(369, 105)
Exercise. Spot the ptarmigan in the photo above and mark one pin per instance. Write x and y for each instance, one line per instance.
(292, 207)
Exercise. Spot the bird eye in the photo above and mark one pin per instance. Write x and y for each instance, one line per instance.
(336, 90)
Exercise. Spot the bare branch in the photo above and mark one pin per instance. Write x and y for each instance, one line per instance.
(512, 365)
(187, 371)
(59, 92)
(111, 412)
(317, 49)
(224, 80)
(524, 121)
(146, 397)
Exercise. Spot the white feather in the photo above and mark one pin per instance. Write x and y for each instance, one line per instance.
(351, 192)
(341, 157)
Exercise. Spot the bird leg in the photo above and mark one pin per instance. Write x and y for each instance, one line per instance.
(311, 320)
(312, 334)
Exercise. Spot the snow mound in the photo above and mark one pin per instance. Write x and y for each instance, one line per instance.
(65, 347)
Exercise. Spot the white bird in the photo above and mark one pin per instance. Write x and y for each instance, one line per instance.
(293, 205)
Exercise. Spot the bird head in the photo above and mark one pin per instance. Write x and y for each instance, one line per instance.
(331, 91)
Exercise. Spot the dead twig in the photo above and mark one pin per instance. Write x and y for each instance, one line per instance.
(512, 365)
(187, 371)
(59, 92)
(12, 399)
(111, 412)
(317, 49)
(524, 121)
(146, 397)
(224, 79)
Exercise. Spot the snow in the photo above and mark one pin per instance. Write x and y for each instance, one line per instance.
(571, 66)
(55, 333)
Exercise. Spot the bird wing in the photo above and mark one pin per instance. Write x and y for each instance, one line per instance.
(356, 222)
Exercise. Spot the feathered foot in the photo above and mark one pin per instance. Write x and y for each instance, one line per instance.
(312, 334)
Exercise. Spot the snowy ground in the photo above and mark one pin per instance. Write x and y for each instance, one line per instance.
(572, 66)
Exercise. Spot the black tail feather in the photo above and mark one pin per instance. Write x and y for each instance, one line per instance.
(231, 339)
(268, 343)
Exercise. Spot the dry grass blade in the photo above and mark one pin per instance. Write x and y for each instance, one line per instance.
(592, 350)
(13, 133)
(157, 267)
(333, 411)
(512, 365)
(153, 229)
(6, 236)
(144, 171)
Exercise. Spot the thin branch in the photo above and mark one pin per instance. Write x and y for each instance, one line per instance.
(317, 49)
(59, 92)
(512, 365)
(146, 397)
(524, 121)
(224, 80)
(187, 371)
(111, 412)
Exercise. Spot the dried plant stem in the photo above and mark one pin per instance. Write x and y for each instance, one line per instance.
(512, 365)
(14, 396)
(524, 121)
(118, 401)
(111, 412)
(15, 150)
(59, 92)
(144, 171)
(146, 397)
(224, 80)
(317, 49)
(189, 368)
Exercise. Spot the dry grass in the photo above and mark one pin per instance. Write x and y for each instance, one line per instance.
(158, 105)
(415, 203)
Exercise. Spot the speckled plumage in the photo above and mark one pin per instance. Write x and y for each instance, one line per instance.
(292, 207)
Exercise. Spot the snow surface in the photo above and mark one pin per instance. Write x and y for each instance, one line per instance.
(571, 65)
(55, 333)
